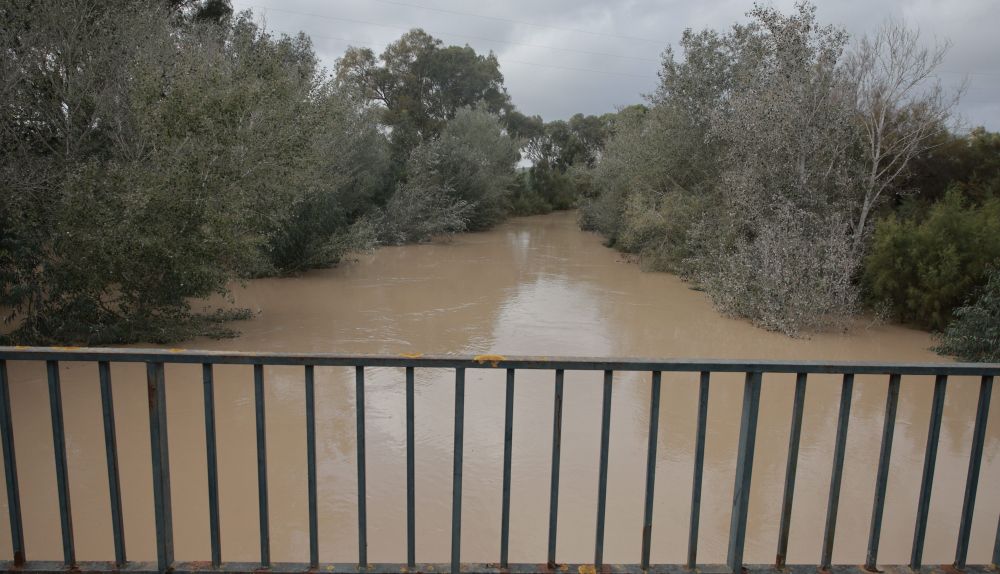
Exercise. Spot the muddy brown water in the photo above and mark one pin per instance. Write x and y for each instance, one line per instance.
(534, 285)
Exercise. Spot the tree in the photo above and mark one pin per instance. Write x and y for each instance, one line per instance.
(778, 253)
(346, 172)
(461, 180)
(472, 161)
(420, 85)
(151, 160)
(970, 163)
(900, 108)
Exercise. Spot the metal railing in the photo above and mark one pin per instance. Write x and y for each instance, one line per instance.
(754, 374)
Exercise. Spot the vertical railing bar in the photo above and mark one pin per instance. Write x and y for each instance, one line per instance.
(62, 470)
(310, 377)
(930, 460)
(699, 468)
(411, 484)
(654, 424)
(557, 409)
(111, 451)
(212, 461)
(456, 491)
(972, 479)
(359, 402)
(10, 469)
(265, 531)
(160, 452)
(791, 468)
(882, 475)
(602, 483)
(508, 440)
(996, 548)
(836, 474)
(744, 471)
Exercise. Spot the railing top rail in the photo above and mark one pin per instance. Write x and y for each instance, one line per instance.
(138, 355)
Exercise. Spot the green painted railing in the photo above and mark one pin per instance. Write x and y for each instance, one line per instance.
(754, 378)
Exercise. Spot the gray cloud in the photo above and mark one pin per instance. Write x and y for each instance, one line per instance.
(560, 57)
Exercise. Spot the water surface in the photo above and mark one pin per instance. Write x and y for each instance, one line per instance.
(534, 286)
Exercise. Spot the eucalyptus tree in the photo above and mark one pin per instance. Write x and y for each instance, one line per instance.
(419, 84)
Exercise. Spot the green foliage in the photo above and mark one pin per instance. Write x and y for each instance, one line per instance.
(524, 199)
(472, 161)
(418, 211)
(349, 173)
(925, 269)
(974, 334)
(164, 159)
(751, 174)
(541, 189)
(653, 184)
(970, 163)
(420, 85)
(561, 153)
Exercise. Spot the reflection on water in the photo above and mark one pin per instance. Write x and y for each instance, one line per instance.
(533, 286)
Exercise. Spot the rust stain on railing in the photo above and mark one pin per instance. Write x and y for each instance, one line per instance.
(493, 360)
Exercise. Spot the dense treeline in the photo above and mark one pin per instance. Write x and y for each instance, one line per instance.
(768, 152)
(937, 243)
(153, 155)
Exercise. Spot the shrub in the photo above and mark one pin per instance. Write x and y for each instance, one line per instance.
(793, 274)
(925, 269)
(974, 333)
(471, 162)
(525, 199)
(418, 211)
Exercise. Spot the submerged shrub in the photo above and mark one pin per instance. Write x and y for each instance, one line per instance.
(418, 211)
(472, 161)
(974, 333)
(793, 275)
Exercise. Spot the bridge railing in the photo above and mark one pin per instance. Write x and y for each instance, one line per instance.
(754, 377)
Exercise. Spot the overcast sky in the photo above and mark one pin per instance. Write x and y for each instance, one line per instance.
(560, 57)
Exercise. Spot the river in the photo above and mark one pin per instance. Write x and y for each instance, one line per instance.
(536, 286)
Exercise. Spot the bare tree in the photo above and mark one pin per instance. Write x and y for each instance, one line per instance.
(900, 105)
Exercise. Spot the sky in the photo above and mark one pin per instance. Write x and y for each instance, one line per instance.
(560, 57)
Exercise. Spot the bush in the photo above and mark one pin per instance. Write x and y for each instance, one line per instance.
(525, 199)
(418, 211)
(792, 275)
(974, 333)
(926, 269)
(471, 162)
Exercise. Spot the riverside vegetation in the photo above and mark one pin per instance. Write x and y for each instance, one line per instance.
(154, 155)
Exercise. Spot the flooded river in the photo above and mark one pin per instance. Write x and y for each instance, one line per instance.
(532, 286)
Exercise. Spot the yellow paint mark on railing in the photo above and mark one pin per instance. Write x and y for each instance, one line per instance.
(493, 360)
(411, 355)
(176, 350)
(67, 348)
(587, 569)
